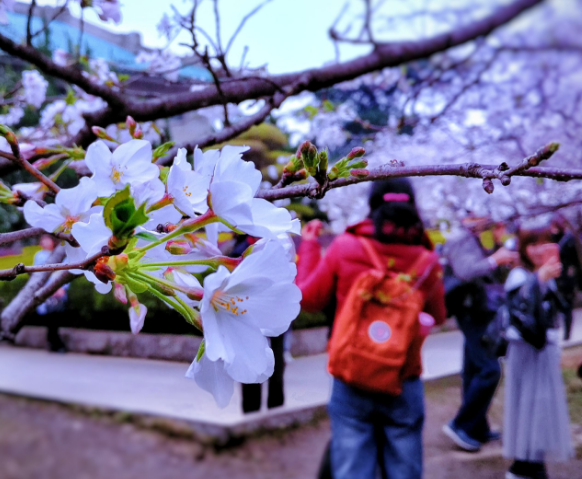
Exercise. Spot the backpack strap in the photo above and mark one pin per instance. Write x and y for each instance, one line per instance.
(373, 254)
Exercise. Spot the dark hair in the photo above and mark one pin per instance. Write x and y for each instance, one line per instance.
(395, 221)
(526, 237)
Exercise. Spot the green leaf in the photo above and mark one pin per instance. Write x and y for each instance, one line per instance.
(121, 215)
(201, 351)
(163, 149)
(123, 77)
(71, 98)
(116, 199)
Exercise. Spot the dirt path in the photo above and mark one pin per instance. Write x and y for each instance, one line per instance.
(41, 440)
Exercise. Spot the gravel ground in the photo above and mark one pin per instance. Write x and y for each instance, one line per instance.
(42, 440)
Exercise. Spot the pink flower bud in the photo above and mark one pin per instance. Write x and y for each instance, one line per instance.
(488, 185)
(138, 134)
(131, 125)
(178, 247)
(356, 152)
(119, 293)
(359, 173)
(101, 133)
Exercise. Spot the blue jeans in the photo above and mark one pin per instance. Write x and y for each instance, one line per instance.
(372, 431)
(481, 374)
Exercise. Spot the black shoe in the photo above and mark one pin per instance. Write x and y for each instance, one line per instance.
(491, 436)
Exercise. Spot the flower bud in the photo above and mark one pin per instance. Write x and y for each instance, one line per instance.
(356, 152)
(102, 271)
(359, 173)
(488, 185)
(178, 247)
(10, 137)
(119, 293)
(311, 160)
(294, 165)
(101, 133)
(302, 150)
(138, 134)
(131, 125)
(323, 160)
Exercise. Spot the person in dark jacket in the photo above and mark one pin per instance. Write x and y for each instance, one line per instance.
(481, 273)
(536, 424)
(571, 275)
(372, 430)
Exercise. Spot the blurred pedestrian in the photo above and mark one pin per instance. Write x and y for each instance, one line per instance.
(571, 275)
(481, 274)
(536, 423)
(373, 428)
(54, 307)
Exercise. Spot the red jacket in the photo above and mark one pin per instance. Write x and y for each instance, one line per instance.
(319, 278)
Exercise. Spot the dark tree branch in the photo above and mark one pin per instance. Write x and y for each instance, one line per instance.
(69, 74)
(11, 273)
(7, 238)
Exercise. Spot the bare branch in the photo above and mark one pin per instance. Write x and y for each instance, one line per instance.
(32, 170)
(467, 170)
(7, 238)
(9, 274)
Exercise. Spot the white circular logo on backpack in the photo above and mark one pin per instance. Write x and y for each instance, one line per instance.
(379, 332)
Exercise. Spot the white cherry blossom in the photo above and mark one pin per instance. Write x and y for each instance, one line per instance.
(92, 236)
(35, 87)
(130, 163)
(239, 309)
(71, 206)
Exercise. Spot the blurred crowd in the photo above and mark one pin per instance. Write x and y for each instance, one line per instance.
(388, 286)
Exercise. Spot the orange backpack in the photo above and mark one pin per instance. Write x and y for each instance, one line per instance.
(376, 327)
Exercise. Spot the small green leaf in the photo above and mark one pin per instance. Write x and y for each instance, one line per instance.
(123, 77)
(201, 351)
(163, 149)
(116, 199)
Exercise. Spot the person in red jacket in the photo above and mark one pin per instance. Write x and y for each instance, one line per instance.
(373, 430)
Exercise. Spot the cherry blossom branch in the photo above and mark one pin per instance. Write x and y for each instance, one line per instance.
(20, 268)
(487, 173)
(239, 127)
(6, 238)
(17, 159)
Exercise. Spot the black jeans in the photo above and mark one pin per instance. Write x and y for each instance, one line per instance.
(251, 393)
(481, 374)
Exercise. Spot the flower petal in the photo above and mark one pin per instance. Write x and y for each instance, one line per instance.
(212, 377)
(48, 218)
(98, 159)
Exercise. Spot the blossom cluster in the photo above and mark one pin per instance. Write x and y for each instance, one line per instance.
(142, 228)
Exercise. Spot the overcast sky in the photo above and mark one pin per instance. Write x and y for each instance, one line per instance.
(287, 35)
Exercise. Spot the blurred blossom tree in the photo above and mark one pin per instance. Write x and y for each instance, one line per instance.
(495, 82)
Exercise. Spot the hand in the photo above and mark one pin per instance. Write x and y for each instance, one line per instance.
(311, 230)
(503, 256)
(551, 270)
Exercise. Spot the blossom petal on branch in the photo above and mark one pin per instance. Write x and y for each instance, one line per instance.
(270, 220)
(49, 218)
